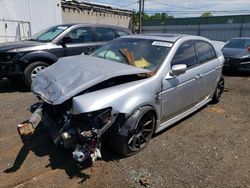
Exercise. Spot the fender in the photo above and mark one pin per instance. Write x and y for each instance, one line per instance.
(29, 57)
(131, 122)
(125, 98)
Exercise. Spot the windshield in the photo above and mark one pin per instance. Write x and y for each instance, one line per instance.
(238, 43)
(49, 34)
(142, 53)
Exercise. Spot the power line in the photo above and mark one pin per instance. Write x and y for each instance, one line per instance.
(212, 11)
(177, 6)
(129, 4)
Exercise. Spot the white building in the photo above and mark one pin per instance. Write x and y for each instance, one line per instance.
(86, 12)
(20, 18)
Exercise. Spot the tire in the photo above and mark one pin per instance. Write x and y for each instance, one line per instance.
(32, 70)
(218, 91)
(139, 134)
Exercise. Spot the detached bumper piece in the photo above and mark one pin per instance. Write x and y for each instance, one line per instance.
(27, 128)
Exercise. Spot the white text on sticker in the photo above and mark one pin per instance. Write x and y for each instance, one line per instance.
(160, 43)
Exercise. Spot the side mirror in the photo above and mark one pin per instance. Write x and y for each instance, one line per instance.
(178, 69)
(65, 40)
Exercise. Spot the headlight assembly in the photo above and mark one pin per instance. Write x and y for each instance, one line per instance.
(7, 57)
(96, 119)
(104, 116)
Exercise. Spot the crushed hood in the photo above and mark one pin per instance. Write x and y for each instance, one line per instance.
(72, 75)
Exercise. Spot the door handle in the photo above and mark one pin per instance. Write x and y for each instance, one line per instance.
(91, 48)
(217, 68)
(198, 76)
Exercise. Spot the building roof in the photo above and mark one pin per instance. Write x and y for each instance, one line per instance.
(95, 7)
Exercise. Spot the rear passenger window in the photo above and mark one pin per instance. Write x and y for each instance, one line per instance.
(185, 55)
(121, 33)
(104, 34)
(204, 51)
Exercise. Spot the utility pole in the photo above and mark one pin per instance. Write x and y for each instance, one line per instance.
(140, 16)
(142, 10)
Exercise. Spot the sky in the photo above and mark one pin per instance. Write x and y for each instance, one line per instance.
(185, 8)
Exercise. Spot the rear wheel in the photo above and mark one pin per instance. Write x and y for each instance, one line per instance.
(32, 70)
(139, 135)
(218, 91)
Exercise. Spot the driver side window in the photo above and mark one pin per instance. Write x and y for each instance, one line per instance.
(79, 35)
(185, 54)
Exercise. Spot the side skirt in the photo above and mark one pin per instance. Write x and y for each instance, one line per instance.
(173, 120)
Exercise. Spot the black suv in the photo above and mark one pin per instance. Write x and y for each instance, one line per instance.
(26, 58)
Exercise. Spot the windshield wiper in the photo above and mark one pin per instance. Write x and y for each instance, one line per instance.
(31, 39)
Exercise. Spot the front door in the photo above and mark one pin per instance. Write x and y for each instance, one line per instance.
(179, 92)
(79, 40)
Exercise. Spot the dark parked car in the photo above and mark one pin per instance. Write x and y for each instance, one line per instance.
(237, 54)
(26, 58)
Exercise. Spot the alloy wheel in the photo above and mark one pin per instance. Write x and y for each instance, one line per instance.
(142, 133)
(36, 70)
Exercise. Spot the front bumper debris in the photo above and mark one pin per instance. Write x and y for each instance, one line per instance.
(27, 128)
(84, 138)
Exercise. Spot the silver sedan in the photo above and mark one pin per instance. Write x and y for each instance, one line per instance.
(127, 90)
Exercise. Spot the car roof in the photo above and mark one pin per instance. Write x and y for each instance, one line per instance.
(169, 37)
(93, 25)
(246, 38)
(158, 36)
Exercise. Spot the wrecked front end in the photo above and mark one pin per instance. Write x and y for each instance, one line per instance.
(82, 132)
(56, 87)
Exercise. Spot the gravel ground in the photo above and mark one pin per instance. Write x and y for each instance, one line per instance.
(210, 148)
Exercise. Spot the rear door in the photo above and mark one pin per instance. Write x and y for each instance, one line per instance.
(209, 68)
(179, 93)
(103, 35)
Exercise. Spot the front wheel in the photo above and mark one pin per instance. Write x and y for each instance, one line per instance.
(32, 70)
(139, 134)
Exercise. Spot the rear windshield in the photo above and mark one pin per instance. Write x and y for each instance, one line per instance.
(238, 43)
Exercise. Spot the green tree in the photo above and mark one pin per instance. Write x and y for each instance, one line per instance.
(206, 14)
(153, 16)
(160, 16)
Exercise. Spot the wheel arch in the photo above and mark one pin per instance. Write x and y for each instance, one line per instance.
(32, 57)
(130, 120)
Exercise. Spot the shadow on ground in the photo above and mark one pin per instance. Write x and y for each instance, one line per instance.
(60, 158)
(41, 145)
(7, 86)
